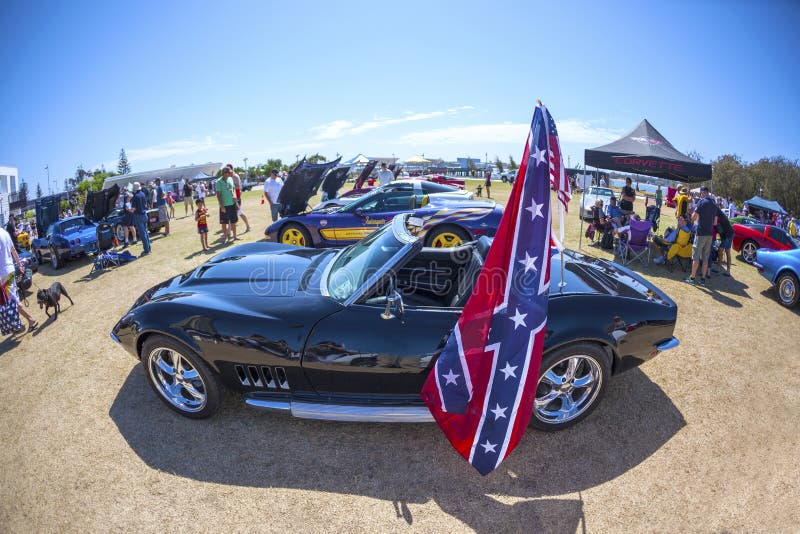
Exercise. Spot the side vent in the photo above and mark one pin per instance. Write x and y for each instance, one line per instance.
(254, 376)
(242, 375)
(280, 374)
(268, 380)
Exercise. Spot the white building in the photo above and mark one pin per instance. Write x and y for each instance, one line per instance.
(9, 183)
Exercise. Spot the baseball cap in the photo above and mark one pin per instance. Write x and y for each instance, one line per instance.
(274, 171)
(704, 188)
(137, 186)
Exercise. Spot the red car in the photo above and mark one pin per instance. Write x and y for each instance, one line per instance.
(748, 238)
(440, 179)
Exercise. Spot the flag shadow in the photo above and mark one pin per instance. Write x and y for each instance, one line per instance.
(405, 464)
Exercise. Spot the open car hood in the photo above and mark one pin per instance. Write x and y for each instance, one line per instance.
(47, 210)
(365, 173)
(334, 180)
(100, 203)
(302, 184)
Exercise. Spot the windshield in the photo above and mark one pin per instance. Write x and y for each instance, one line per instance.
(354, 204)
(356, 263)
(74, 224)
(601, 191)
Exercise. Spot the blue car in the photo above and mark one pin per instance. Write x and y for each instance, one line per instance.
(782, 269)
(66, 239)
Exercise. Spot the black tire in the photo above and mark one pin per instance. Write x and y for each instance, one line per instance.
(788, 292)
(39, 257)
(55, 261)
(593, 368)
(748, 250)
(294, 234)
(447, 235)
(119, 233)
(206, 382)
(504, 179)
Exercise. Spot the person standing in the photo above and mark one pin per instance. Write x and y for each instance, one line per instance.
(161, 204)
(201, 217)
(9, 259)
(725, 232)
(128, 220)
(385, 176)
(201, 191)
(488, 183)
(627, 198)
(188, 201)
(272, 190)
(659, 197)
(237, 184)
(11, 228)
(139, 203)
(227, 205)
(705, 216)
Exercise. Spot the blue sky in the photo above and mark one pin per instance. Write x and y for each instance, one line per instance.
(191, 82)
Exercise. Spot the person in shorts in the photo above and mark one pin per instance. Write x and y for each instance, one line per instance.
(188, 200)
(488, 183)
(725, 231)
(201, 216)
(237, 184)
(9, 260)
(228, 208)
(161, 204)
(705, 216)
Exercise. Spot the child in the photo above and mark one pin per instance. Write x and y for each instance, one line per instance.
(171, 205)
(202, 224)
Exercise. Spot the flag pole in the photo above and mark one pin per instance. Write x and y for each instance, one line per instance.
(562, 283)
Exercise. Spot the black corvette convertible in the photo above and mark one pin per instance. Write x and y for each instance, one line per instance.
(351, 334)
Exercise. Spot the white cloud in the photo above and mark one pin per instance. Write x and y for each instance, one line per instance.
(569, 131)
(177, 148)
(342, 128)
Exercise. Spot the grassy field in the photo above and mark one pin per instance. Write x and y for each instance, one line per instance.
(701, 438)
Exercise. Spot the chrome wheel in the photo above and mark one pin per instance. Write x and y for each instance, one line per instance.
(176, 379)
(749, 249)
(787, 289)
(567, 389)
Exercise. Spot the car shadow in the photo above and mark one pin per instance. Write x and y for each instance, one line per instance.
(404, 463)
(771, 293)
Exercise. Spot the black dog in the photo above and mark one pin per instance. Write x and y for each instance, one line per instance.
(51, 297)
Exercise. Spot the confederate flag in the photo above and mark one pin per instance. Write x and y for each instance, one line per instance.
(482, 388)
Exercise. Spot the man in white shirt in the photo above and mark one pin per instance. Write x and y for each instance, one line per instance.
(272, 189)
(385, 176)
(8, 260)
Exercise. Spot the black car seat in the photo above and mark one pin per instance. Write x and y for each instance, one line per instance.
(466, 280)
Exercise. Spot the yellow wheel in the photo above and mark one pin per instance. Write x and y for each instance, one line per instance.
(447, 237)
(293, 234)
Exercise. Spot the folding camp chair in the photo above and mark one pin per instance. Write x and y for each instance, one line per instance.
(105, 241)
(680, 252)
(637, 246)
(653, 214)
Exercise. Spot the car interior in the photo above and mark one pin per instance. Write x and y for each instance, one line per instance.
(437, 277)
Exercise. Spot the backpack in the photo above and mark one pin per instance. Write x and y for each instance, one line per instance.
(607, 241)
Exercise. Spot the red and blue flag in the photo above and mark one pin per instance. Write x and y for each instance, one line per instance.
(483, 386)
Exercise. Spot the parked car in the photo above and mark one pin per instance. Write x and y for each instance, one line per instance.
(115, 216)
(508, 176)
(591, 196)
(352, 334)
(741, 219)
(423, 186)
(64, 240)
(747, 239)
(28, 259)
(449, 221)
(782, 269)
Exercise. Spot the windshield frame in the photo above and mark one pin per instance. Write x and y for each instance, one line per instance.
(400, 233)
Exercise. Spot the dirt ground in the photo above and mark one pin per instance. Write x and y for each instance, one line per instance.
(703, 438)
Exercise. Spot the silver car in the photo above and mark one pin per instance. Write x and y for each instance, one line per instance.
(590, 197)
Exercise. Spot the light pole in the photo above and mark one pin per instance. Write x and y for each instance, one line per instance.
(245, 169)
(47, 168)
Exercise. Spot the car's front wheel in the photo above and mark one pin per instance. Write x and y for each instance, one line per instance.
(55, 261)
(180, 378)
(749, 249)
(294, 234)
(572, 382)
(119, 231)
(787, 289)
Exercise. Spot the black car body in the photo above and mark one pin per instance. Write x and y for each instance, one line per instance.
(116, 216)
(321, 334)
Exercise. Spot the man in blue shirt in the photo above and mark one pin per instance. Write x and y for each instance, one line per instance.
(614, 212)
(139, 204)
(705, 216)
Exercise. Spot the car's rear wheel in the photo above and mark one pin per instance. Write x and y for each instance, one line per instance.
(180, 378)
(787, 289)
(119, 231)
(447, 236)
(572, 382)
(749, 249)
(294, 234)
(55, 261)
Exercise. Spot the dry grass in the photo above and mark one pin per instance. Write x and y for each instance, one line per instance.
(702, 438)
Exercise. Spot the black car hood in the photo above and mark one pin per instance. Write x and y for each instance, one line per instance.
(100, 203)
(302, 184)
(365, 172)
(334, 181)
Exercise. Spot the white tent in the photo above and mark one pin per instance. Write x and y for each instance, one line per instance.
(361, 159)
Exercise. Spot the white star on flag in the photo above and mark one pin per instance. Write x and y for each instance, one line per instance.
(535, 209)
(451, 378)
(488, 447)
(528, 262)
(519, 319)
(508, 370)
(499, 412)
(539, 155)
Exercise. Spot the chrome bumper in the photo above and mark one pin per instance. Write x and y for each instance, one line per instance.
(337, 412)
(671, 343)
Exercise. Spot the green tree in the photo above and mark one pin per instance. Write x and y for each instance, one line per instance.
(38, 190)
(273, 163)
(498, 164)
(512, 165)
(316, 158)
(123, 167)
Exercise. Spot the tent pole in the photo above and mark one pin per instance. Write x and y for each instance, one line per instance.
(580, 212)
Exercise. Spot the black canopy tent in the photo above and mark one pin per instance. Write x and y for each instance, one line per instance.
(764, 204)
(645, 151)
